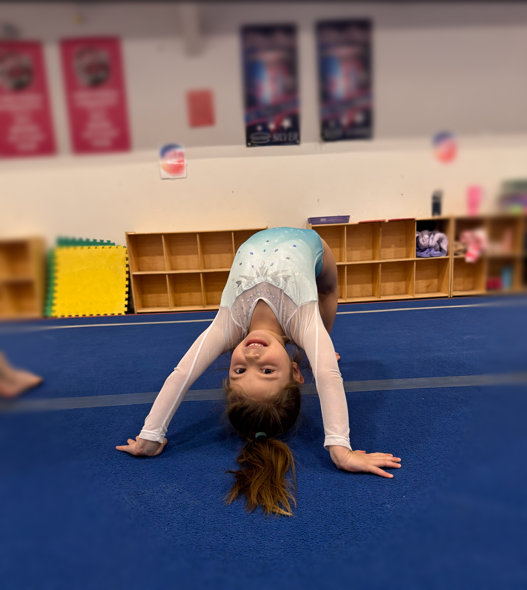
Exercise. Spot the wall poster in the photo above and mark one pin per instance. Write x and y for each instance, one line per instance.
(345, 79)
(26, 127)
(95, 94)
(270, 85)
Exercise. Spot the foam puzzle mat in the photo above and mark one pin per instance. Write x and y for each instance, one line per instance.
(90, 280)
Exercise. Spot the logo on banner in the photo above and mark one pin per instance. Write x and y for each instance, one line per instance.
(92, 66)
(16, 71)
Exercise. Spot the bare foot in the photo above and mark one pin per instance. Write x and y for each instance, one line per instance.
(13, 382)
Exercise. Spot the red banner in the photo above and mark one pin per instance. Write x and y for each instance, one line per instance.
(95, 95)
(26, 128)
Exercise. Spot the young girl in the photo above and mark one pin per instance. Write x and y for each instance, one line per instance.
(282, 287)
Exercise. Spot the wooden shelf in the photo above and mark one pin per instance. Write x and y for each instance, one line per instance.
(377, 260)
(361, 299)
(433, 276)
(182, 271)
(187, 271)
(470, 292)
(22, 277)
(431, 295)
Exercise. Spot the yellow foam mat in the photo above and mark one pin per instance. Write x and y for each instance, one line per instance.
(90, 281)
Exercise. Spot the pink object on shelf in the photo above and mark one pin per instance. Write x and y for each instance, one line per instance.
(474, 198)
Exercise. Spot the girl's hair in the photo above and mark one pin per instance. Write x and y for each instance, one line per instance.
(264, 461)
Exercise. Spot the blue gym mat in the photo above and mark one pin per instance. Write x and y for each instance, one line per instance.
(75, 513)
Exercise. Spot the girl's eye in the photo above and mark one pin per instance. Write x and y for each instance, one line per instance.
(239, 371)
(267, 371)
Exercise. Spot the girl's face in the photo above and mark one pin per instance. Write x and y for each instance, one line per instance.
(260, 366)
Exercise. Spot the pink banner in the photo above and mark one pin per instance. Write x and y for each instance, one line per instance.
(95, 95)
(26, 128)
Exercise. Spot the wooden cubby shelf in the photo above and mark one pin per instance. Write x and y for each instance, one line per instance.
(183, 271)
(22, 277)
(505, 236)
(377, 261)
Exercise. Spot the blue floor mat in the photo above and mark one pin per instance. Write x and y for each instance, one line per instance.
(75, 513)
(392, 345)
(77, 506)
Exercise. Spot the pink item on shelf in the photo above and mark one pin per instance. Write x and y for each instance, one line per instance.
(474, 198)
(494, 284)
(476, 242)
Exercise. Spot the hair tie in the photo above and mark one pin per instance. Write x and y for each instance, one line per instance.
(260, 434)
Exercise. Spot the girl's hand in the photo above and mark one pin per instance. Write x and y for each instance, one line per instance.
(143, 448)
(360, 461)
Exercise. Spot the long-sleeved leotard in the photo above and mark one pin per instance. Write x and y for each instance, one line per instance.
(293, 298)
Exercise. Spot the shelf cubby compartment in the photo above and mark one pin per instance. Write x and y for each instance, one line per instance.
(335, 237)
(441, 224)
(240, 236)
(186, 291)
(363, 242)
(505, 235)
(397, 280)
(496, 267)
(22, 277)
(18, 299)
(213, 285)
(468, 278)
(216, 250)
(397, 239)
(145, 252)
(363, 282)
(15, 259)
(181, 251)
(468, 223)
(151, 292)
(432, 277)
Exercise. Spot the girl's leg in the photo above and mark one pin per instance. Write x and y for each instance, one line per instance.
(328, 288)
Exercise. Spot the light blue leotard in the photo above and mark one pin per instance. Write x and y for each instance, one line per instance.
(285, 257)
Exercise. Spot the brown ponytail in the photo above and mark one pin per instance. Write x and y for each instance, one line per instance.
(264, 461)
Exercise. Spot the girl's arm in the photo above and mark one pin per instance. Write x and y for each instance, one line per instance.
(221, 335)
(311, 334)
(308, 331)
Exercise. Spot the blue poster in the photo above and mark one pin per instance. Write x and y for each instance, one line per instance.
(270, 85)
(345, 79)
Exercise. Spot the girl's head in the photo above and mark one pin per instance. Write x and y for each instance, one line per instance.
(261, 367)
(263, 396)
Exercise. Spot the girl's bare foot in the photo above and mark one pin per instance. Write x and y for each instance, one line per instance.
(13, 382)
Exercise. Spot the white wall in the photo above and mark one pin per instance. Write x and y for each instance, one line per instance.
(458, 67)
(104, 197)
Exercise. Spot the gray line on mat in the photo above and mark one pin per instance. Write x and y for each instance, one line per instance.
(131, 399)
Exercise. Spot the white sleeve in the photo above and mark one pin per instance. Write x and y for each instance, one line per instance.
(219, 337)
(308, 331)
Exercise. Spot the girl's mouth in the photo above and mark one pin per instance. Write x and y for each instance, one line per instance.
(255, 343)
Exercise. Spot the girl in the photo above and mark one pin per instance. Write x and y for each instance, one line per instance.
(282, 287)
